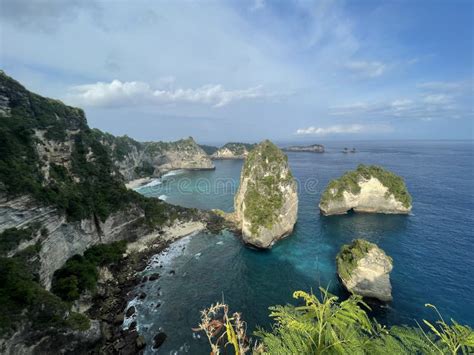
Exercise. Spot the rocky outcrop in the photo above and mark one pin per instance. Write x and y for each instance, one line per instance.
(183, 154)
(364, 269)
(370, 189)
(233, 151)
(266, 204)
(135, 159)
(314, 148)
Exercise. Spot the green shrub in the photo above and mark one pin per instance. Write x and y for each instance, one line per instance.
(78, 321)
(75, 277)
(80, 274)
(12, 237)
(103, 254)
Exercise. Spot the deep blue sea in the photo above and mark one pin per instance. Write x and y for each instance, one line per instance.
(432, 248)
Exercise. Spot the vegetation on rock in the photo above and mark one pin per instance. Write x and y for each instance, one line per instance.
(208, 149)
(263, 197)
(350, 255)
(23, 298)
(238, 148)
(350, 182)
(80, 272)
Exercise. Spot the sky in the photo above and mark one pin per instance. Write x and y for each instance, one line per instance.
(247, 70)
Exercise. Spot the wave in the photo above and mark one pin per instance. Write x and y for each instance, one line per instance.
(154, 182)
(173, 173)
(163, 197)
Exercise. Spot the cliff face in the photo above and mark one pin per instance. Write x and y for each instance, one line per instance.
(66, 238)
(55, 172)
(233, 151)
(266, 204)
(182, 154)
(368, 189)
(364, 270)
(135, 159)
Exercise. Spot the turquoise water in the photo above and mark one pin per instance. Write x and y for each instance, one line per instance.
(432, 248)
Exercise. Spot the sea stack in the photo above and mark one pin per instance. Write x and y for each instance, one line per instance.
(370, 189)
(364, 270)
(233, 151)
(266, 204)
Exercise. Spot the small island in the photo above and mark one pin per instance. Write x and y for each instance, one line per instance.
(347, 150)
(364, 270)
(370, 189)
(266, 204)
(314, 148)
(233, 151)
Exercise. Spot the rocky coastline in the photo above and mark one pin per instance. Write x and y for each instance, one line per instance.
(110, 303)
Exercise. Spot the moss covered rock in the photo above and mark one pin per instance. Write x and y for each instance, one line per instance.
(266, 204)
(367, 189)
(364, 269)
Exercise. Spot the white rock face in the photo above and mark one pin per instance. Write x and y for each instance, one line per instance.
(371, 199)
(371, 196)
(64, 238)
(371, 276)
(266, 204)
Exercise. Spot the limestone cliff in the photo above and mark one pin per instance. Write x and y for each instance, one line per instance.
(55, 171)
(364, 269)
(136, 159)
(233, 151)
(266, 204)
(369, 189)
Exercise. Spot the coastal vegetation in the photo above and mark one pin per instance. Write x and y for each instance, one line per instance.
(349, 182)
(80, 273)
(325, 325)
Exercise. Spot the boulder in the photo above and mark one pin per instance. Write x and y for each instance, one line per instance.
(266, 204)
(364, 269)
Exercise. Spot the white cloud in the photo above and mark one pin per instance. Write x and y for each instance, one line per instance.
(120, 94)
(367, 69)
(343, 129)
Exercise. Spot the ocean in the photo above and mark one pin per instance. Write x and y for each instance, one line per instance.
(432, 249)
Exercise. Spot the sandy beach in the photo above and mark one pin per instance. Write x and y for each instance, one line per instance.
(178, 230)
(137, 183)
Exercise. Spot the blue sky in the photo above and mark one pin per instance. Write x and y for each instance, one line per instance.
(248, 70)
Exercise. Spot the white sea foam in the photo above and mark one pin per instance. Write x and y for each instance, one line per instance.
(163, 197)
(153, 182)
(173, 173)
(165, 257)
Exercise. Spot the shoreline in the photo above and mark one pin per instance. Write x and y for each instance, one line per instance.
(136, 183)
(114, 294)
